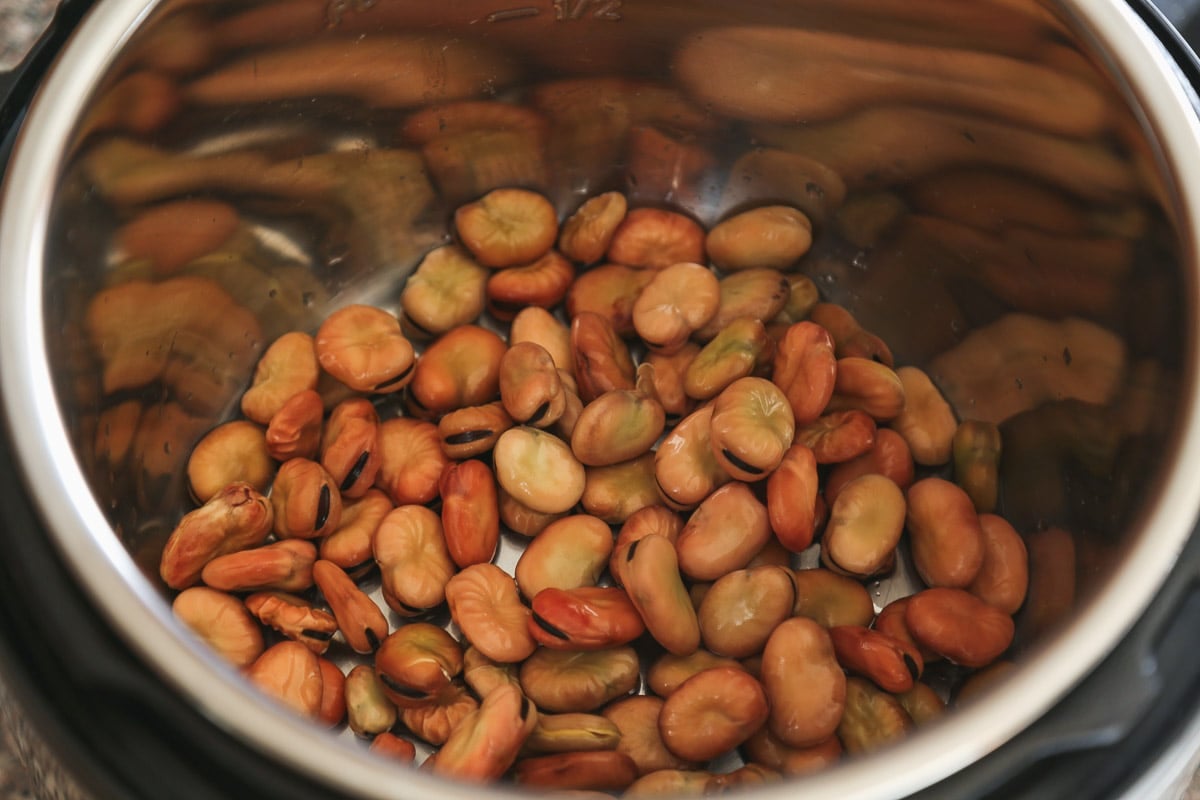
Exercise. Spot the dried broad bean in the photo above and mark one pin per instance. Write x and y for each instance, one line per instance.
(359, 619)
(487, 608)
(364, 348)
(233, 452)
(295, 618)
(711, 712)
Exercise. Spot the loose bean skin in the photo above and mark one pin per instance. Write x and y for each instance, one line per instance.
(805, 686)
(295, 618)
(944, 530)
(712, 712)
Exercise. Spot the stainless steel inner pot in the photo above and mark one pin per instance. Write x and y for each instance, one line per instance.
(1003, 190)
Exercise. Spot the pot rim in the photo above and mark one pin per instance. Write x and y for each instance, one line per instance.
(139, 614)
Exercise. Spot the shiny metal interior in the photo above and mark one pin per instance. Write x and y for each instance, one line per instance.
(1000, 189)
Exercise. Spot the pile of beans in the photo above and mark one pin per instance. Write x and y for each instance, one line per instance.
(672, 417)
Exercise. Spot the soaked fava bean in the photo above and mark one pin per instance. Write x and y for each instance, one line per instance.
(981, 680)
(416, 663)
(650, 574)
(368, 709)
(305, 499)
(976, 450)
(361, 622)
(959, 626)
(536, 325)
(606, 770)
(711, 712)
(873, 718)
(521, 519)
(868, 386)
(349, 545)
(670, 783)
(295, 430)
(507, 227)
(742, 608)
(864, 527)
(484, 745)
(755, 293)
(222, 621)
(723, 533)
(584, 618)
(602, 359)
(850, 338)
(569, 553)
(654, 238)
(888, 663)
(538, 470)
(446, 290)
(414, 563)
(236, 518)
(889, 456)
(291, 673)
(669, 670)
(470, 512)
(332, 709)
(765, 749)
(684, 465)
(679, 300)
(831, 599)
(619, 425)
(586, 234)
(363, 347)
(792, 492)
(805, 368)
(1003, 579)
(838, 436)
(737, 350)
(752, 426)
(412, 460)
(350, 450)
(433, 723)
(483, 674)
(285, 565)
(562, 681)
(530, 388)
(295, 618)
(922, 703)
(459, 368)
(233, 452)
(542, 283)
(567, 733)
(769, 236)
(641, 523)
(487, 608)
(472, 431)
(669, 380)
(804, 683)
(397, 748)
(609, 290)
(891, 621)
(636, 720)
(286, 368)
(927, 421)
(803, 296)
(945, 534)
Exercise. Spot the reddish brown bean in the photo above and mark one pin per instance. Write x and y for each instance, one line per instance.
(306, 500)
(584, 618)
(723, 533)
(959, 626)
(363, 347)
(805, 685)
(792, 492)
(359, 619)
(284, 565)
(712, 712)
(460, 368)
(236, 518)
(1003, 578)
(888, 456)
(350, 545)
(470, 512)
(887, 662)
(350, 450)
(944, 530)
(295, 429)
(838, 436)
(413, 460)
(652, 238)
(806, 369)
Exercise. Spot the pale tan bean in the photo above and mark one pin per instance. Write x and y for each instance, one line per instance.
(368, 709)
(445, 291)
(285, 565)
(507, 227)
(927, 421)
(922, 703)
(864, 528)
(712, 712)
(359, 619)
(536, 325)
(752, 427)
(364, 348)
(653, 238)
(222, 621)
(679, 300)
(230, 453)
(620, 424)
(769, 236)
(1003, 579)
(470, 512)
(586, 234)
(743, 607)
(236, 518)
(414, 562)
(564, 681)
(650, 573)
(959, 626)
(538, 470)
(288, 367)
(487, 608)
(792, 492)
(290, 673)
(831, 599)
(636, 720)
(602, 770)
(486, 744)
(416, 663)
(569, 553)
(873, 718)
(944, 531)
(805, 685)
(723, 533)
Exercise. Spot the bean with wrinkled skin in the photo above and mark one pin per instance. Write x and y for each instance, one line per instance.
(446, 290)
(679, 300)
(768, 236)
(536, 325)
(620, 424)
(350, 450)
(831, 599)
(590, 769)
(888, 663)
(359, 619)
(670, 782)
(562, 681)
(805, 685)
(959, 626)
(712, 712)
(290, 673)
(641, 523)
(472, 431)
(222, 621)
(889, 456)
(752, 426)
(584, 618)
(864, 527)
(285, 565)
(286, 368)
(803, 296)
(608, 291)
(412, 460)
(233, 452)
(850, 338)
(805, 368)
(764, 748)
(602, 358)
(434, 721)
(306, 500)
(486, 606)
(723, 533)
(755, 293)
(739, 349)
(295, 429)
(486, 744)
(363, 347)
(507, 227)
(332, 709)
(585, 235)
(349, 546)
(927, 421)
(1003, 578)
(636, 720)
(567, 733)
(416, 663)
(236, 518)
(459, 368)
(873, 718)
(945, 534)
(569, 553)
(295, 618)
(922, 704)
(542, 283)
(792, 492)
(669, 377)
(838, 436)
(368, 709)
(521, 519)
(470, 512)
(650, 573)
(868, 386)
(653, 238)
(395, 747)
(483, 674)
(414, 562)
(976, 450)
(538, 470)
(741, 609)
(530, 388)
